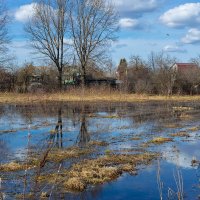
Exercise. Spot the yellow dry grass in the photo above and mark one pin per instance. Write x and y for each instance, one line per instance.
(180, 134)
(75, 184)
(97, 143)
(88, 96)
(160, 140)
(14, 166)
(58, 155)
(98, 171)
(193, 129)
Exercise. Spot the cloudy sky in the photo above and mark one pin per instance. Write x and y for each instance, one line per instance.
(172, 26)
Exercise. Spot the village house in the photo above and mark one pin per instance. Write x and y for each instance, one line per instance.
(186, 78)
(184, 67)
(95, 76)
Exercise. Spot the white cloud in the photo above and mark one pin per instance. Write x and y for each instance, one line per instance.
(25, 12)
(128, 23)
(192, 36)
(174, 48)
(136, 5)
(184, 15)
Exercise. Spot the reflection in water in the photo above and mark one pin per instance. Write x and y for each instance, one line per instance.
(3, 151)
(58, 130)
(84, 136)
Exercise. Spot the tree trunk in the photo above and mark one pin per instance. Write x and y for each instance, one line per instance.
(60, 79)
(83, 76)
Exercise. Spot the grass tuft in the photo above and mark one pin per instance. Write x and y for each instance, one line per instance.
(160, 140)
(14, 166)
(75, 184)
(180, 134)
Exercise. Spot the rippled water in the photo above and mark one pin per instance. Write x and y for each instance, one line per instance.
(125, 127)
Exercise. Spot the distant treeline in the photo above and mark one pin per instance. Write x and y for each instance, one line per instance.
(160, 74)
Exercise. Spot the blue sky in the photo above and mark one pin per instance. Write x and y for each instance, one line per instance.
(171, 26)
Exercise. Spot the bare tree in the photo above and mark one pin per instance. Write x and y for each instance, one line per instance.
(139, 76)
(4, 38)
(93, 24)
(196, 60)
(136, 61)
(164, 75)
(47, 30)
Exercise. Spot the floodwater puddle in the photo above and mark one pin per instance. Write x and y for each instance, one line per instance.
(100, 151)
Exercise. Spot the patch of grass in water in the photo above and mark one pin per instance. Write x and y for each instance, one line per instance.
(193, 129)
(97, 143)
(160, 140)
(14, 166)
(24, 196)
(182, 108)
(185, 116)
(135, 138)
(98, 171)
(75, 184)
(171, 125)
(124, 127)
(58, 155)
(110, 116)
(8, 131)
(180, 134)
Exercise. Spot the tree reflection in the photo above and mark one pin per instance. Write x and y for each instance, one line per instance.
(58, 130)
(84, 136)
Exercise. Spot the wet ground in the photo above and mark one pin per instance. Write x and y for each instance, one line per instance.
(46, 140)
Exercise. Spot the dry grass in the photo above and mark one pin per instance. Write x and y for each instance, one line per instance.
(75, 184)
(59, 155)
(97, 143)
(182, 108)
(160, 140)
(98, 171)
(8, 131)
(88, 95)
(172, 125)
(180, 134)
(135, 138)
(26, 196)
(193, 129)
(14, 166)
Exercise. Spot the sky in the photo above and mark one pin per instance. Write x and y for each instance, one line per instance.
(170, 26)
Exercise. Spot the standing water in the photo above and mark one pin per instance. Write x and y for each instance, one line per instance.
(94, 151)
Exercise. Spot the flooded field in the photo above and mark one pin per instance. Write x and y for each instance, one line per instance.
(100, 151)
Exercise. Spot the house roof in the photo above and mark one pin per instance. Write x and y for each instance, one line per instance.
(185, 66)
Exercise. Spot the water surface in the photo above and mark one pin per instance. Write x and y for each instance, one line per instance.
(125, 128)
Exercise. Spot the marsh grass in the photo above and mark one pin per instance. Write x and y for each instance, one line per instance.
(135, 138)
(58, 155)
(172, 126)
(14, 166)
(159, 140)
(180, 134)
(193, 129)
(98, 171)
(98, 143)
(89, 95)
(8, 131)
